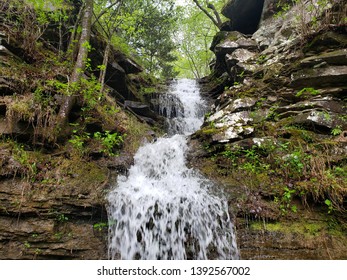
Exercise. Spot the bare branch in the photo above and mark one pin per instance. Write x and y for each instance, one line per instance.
(216, 21)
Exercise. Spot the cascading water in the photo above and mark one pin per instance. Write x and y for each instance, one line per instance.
(163, 209)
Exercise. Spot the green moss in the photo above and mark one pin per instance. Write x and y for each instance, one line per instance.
(309, 229)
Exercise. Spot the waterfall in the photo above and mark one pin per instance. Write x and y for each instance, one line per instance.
(162, 209)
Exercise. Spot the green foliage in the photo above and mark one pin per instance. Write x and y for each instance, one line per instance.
(27, 245)
(90, 90)
(312, 16)
(262, 59)
(100, 226)
(195, 55)
(62, 218)
(282, 7)
(336, 130)
(109, 141)
(79, 140)
(149, 27)
(29, 167)
(252, 162)
(330, 205)
(32, 17)
(308, 90)
(285, 201)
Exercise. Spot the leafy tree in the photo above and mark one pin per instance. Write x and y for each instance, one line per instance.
(195, 55)
(197, 22)
(150, 26)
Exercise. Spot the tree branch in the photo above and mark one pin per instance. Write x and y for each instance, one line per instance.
(216, 22)
(213, 8)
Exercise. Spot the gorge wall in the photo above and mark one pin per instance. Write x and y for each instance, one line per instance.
(53, 183)
(275, 139)
(276, 136)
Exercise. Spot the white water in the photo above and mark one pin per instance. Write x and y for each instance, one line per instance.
(163, 209)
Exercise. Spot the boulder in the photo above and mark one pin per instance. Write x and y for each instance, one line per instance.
(319, 120)
(234, 125)
(239, 55)
(235, 40)
(234, 105)
(326, 40)
(240, 62)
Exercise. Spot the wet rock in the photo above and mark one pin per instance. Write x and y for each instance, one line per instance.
(140, 109)
(32, 238)
(234, 40)
(234, 106)
(319, 119)
(239, 56)
(326, 103)
(234, 125)
(129, 65)
(326, 40)
(338, 57)
(331, 76)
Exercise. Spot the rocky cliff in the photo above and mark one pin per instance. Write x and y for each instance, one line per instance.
(276, 136)
(53, 183)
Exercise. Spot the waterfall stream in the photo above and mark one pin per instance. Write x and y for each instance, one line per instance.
(162, 209)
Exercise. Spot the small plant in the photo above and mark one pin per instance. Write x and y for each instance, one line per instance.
(308, 90)
(283, 8)
(109, 141)
(272, 115)
(261, 59)
(285, 200)
(330, 205)
(27, 245)
(62, 218)
(78, 141)
(29, 168)
(58, 235)
(336, 130)
(100, 226)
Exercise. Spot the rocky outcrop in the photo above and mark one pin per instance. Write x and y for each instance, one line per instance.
(275, 137)
(244, 14)
(52, 189)
(58, 214)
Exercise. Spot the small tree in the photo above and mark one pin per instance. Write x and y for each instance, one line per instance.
(68, 101)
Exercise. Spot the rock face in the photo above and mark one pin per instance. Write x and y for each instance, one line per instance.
(276, 136)
(52, 191)
(244, 14)
(61, 216)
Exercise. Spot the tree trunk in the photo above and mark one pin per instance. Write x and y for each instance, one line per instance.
(69, 101)
(104, 63)
(72, 43)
